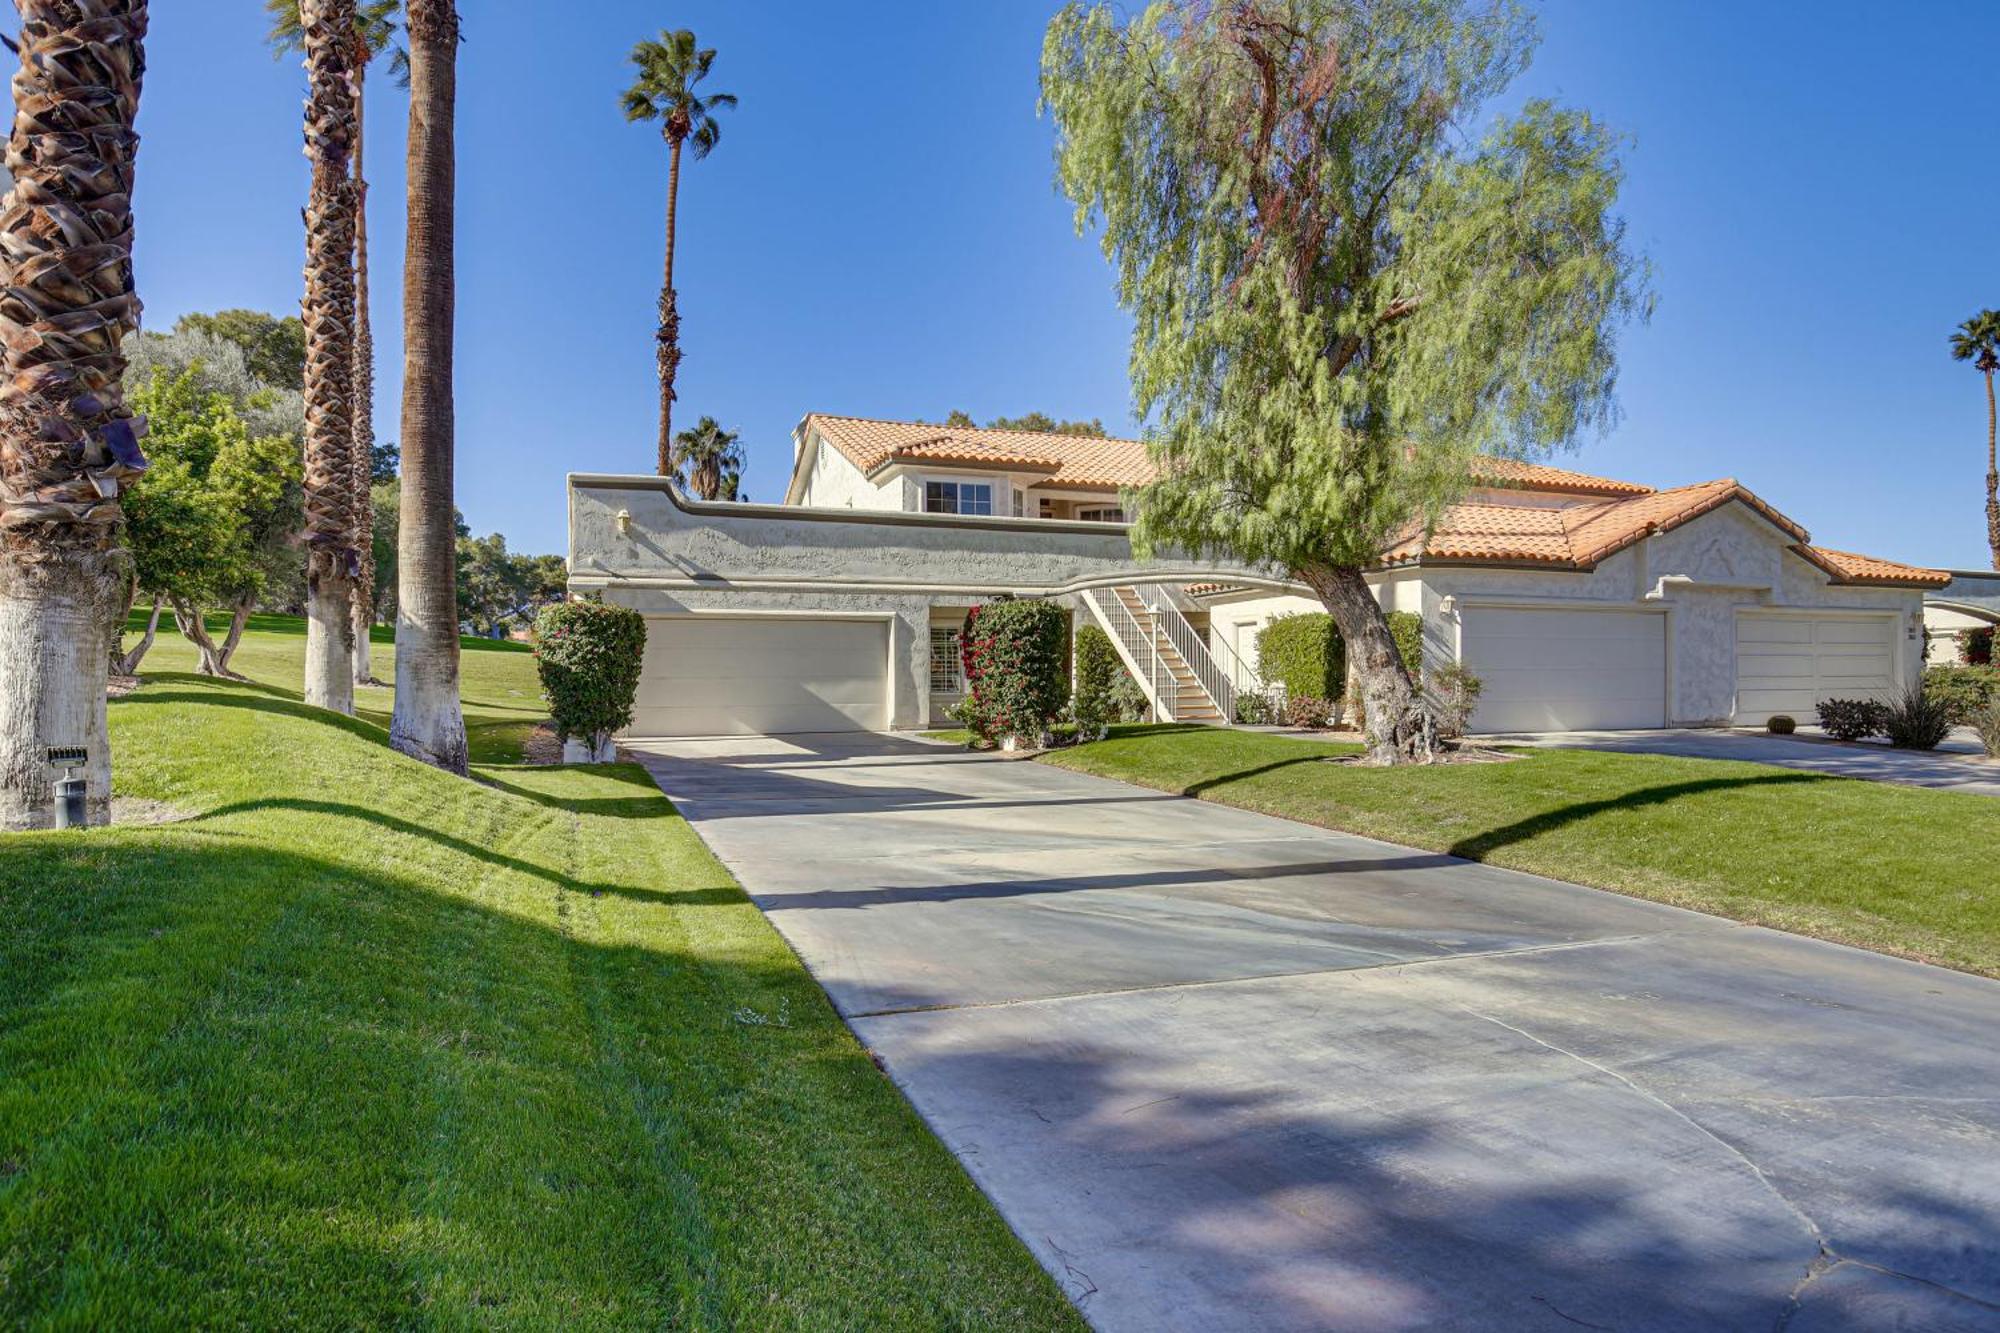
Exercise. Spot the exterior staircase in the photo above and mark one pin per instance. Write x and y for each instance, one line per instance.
(1165, 654)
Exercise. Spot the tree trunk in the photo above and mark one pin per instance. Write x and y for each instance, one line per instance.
(239, 617)
(329, 380)
(1396, 725)
(127, 664)
(1992, 479)
(428, 723)
(669, 334)
(189, 620)
(67, 443)
(364, 406)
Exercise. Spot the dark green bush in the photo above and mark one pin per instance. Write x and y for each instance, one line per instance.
(1016, 657)
(1097, 673)
(1304, 654)
(587, 655)
(1407, 628)
(1852, 719)
(1917, 721)
(1253, 708)
(1780, 724)
(1965, 690)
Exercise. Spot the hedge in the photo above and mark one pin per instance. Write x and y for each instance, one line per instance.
(1966, 691)
(587, 655)
(1407, 629)
(1303, 653)
(1097, 677)
(1016, 657)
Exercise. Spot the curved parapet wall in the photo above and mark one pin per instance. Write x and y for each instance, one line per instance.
(1973, 591)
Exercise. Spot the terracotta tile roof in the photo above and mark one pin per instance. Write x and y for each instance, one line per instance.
(1514, 474)
(1847, 567)
(1070, 460)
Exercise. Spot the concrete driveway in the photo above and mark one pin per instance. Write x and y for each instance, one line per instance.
(1225, 1071)
(1957, 765)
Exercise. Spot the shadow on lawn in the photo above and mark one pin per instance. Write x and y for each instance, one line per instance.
(1481, 845)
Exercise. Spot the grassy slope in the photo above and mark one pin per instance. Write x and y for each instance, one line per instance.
(1891, 868)
(366, 1045)
(497, 684)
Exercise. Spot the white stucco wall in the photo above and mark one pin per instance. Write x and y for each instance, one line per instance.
(834, 482)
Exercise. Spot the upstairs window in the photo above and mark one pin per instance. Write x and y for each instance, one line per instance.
(947, 670)
(958, 497)
(1101, 514)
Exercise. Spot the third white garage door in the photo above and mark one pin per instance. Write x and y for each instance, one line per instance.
(1562, 670)
(1789, 663)
(746, 676)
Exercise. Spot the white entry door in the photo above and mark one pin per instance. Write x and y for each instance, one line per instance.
(1789, 663)
(1555, 669)
(761, 675)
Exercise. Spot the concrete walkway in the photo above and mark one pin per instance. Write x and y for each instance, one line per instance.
(1958, 765)
(1222, 1071)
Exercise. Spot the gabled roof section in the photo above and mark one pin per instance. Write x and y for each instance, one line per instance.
(1514, 474)
(1847, 567)
(1070, 460)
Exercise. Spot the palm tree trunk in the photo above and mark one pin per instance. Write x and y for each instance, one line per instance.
(428, 723)
(1992, 479)
(1396, 726)
(364, 403)
(127, 664)
(67, 445)
(669, 335)
(329, 381)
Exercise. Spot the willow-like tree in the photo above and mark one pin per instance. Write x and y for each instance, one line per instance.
(665, 91)
(428, 722)
(68, 444)
(1978, 341)
(374, 35)
(1342, 292)
(708, 461)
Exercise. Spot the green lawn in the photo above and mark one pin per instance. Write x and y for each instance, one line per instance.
(1897, 869)
(497, 685)
(362, 1045)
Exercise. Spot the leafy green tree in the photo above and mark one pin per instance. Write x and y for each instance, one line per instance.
(1978, 341)
(498, 588)
(1342, 292)
(1033, 421)
(274, 349)
(708, 461)
(665, 90)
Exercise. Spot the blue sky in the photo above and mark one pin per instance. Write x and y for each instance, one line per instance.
(878, 234)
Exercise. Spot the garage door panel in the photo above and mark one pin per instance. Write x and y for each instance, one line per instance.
(1822, 657)
(707, 676)
(1560, 669)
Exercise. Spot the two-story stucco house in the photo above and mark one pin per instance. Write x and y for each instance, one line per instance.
(1581, 602)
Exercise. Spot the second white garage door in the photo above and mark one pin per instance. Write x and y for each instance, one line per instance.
(721, 676)
(1789, 663)
(1561, 670)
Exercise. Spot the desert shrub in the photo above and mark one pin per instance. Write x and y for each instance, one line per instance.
(1304, 654)
(1016, 657)
(1407, 629)
(1987, 724)
(1851, 719)
(1097, 670)
(1916, 721)
(1453, 693)
(1253, 708)
(587, 655)
(1310, 712)
(1780, 724)
(1965, 690)
(1976, 645)
(1128, 701)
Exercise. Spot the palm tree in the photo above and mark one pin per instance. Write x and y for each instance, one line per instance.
(1978, 341)
(374, 33)
(331, 129)
(428, 722)
(669, 69)
(68, 443)
(708, 462)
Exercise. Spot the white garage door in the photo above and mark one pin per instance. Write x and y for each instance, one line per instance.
(1789, 663)
(1560, 670)
(716, 676)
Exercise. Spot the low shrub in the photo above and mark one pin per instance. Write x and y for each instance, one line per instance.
(1407, 629)
(587, 655)
(1304, 654)
(1016, 658)
(1781, 724)
(1852, 719)
(1310, 712)
(1253, 708)
(1917, 721)
(1987, 724)
(1128, 701)
(1965, 690)
(1453, 693)
(1976, 645)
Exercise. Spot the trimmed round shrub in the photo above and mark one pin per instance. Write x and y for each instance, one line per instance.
(1781, 725)
(1016, 657)
(587, 655)
(1852, 719)
(1304, 654)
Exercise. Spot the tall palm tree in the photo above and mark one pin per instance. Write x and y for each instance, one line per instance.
(708, 462)
(374, 34)
(1978, 341)
(68, 443)
(428, 722)
(331, 129)
(664, 91)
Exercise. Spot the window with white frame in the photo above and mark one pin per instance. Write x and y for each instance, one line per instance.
(947, 671)
(1020, 501)
(958, 497)
(1101, 514)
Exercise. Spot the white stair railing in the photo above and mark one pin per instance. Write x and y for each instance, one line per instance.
(1216, 681)
(1137, 647)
